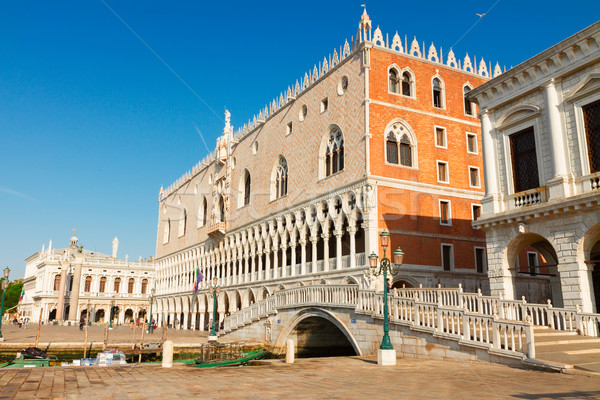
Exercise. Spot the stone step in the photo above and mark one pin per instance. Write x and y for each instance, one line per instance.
(554, 333)
(565, 340)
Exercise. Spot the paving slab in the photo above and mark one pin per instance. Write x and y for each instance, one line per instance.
(331, 378)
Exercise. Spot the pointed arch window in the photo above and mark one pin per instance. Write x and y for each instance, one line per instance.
(334, 156)
(167, 231)
(391, 148)
(438, 99)
(221, 210)
(183, 223)
(398, 146)
(393, 80)
(281, 178)
(247, 185)
(244, 188)
(202, 212)
(407, 84)
(469, 107)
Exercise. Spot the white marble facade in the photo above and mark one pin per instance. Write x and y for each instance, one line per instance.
(541, 135)
(53, 275)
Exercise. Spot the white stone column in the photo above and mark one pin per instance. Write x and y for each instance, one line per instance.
(193, 324)
(303, 256)
(325, 237)
(185, 320)
(267, 264)
(247, 273)
(490, 203)
(556, 185)
(352, 233)
(338, 249)
(275, 260)
(201, 323)
(252, 266)
(293, 266)
(314, 240)
(283, 259)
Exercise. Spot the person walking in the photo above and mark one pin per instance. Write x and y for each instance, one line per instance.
(81, 323)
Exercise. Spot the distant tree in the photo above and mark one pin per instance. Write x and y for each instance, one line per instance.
(13, 293)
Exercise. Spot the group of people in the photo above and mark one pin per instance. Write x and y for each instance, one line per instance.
(22, 322)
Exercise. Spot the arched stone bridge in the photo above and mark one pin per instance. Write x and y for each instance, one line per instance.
(433, 323)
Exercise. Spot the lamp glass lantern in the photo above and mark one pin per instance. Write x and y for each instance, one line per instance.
(6, 272)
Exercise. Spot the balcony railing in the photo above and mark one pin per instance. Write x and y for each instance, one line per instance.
(528, 197)
(217, 228)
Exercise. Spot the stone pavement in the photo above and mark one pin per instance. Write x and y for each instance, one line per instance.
(317, 378)
(71, 334)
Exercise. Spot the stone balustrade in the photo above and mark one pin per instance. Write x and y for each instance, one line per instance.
(503, 327)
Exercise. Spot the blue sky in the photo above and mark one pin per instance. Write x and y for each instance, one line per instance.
(92, 123)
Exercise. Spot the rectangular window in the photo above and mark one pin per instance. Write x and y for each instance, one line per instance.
(472, 143)
(445, 213)
(591, 119)
(440, 137)
(442, 171)
(480, 259)
(524, 160)
(447, 257)
(476, 208)
(324, 104)
(474, 177)
(288, 128)
(532, 262)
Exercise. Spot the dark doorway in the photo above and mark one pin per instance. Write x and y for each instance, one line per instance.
(318, 337)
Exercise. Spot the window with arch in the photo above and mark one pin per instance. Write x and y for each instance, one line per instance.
(438, 95)
(334, 156)
(245, 187)
(220, 217)
(202, 212)
(407, 84)
(167, 231)
(393, 80)
(88, 284)
(398, 146)
(280, 179)
(469, 106)
(57, 282)
(130, 285)
(144, 286)
(102, 288)
(117, 285)
(183, 223)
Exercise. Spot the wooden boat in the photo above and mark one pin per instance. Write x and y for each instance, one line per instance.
(249, 356)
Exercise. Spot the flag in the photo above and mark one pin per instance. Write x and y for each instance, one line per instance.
(199, 278)
(22, 293)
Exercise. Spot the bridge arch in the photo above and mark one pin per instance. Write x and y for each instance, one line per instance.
(314, 312)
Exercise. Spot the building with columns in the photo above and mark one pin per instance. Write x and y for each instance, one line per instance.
(541, 141)
(378, 135)
(65, 283)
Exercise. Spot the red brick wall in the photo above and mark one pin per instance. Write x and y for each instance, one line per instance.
(404, 211)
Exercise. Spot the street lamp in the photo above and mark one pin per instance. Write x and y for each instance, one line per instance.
(4, 287)
(150, 327)
(386, 354)
(214, 291)
(112, 308)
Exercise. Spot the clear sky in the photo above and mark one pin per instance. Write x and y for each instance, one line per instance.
(92, 122)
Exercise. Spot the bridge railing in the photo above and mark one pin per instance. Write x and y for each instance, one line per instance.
(509, 337)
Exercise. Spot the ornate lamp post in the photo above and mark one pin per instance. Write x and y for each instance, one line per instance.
(4, 287)
(214, 291)
(112, 309)
(386, 355)
(150, 328)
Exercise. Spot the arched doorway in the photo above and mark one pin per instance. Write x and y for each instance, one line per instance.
(100, 316)
(52, 315)
(318, 333)
(533, 264)
(128, 315)
(595, 267)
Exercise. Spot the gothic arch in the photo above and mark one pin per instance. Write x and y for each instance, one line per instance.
(331, 152)
(401, 131)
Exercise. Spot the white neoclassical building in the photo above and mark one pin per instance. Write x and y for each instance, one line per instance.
(541, 144)
(64, 283)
